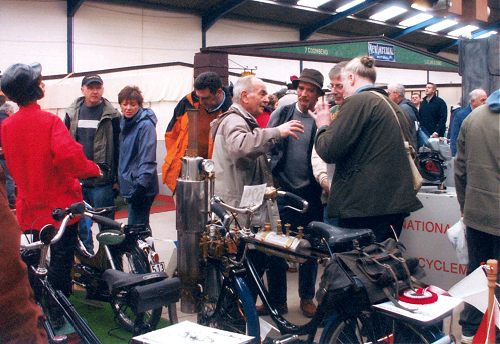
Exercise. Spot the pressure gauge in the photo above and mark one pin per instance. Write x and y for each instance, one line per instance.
(208, 165)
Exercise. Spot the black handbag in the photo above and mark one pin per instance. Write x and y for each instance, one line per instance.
(380, 269)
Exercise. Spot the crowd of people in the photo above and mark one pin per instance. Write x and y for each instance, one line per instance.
(345, 157)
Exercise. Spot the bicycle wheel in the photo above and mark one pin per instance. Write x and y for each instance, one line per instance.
(135, 262)
(370, 327)
(234, 310)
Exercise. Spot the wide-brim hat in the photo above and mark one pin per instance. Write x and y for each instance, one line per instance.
(311, 76)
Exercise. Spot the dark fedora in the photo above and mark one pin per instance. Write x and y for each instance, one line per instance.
(311, 76)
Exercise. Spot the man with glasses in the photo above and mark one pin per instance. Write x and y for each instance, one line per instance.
(322, 171)
(211, 99)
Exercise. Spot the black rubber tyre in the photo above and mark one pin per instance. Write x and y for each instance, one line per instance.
(220, 305)
(370, 328)
(229, 316)
(135, 262)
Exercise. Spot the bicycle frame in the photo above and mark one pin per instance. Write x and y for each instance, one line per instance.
(55, 297)
(284, 326)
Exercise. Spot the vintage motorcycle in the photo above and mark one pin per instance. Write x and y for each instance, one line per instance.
(106, 276)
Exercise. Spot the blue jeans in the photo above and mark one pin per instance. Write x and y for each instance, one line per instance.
(481, 246)
(9, 184)
(139, 213)
(97, 196)
(332, 221)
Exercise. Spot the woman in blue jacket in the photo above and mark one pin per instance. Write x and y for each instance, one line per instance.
(137, 164)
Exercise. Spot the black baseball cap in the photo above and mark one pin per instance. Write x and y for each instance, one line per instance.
(91, 79)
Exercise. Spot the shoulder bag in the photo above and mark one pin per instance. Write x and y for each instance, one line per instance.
(410, 151)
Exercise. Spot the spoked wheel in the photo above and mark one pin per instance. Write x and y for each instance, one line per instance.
(365, 327)
(229, 315)
(134, 262)
(375, 328)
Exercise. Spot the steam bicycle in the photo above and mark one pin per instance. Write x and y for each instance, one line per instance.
(230, 276)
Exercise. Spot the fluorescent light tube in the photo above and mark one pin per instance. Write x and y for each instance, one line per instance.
(388, 13)
(417, 19)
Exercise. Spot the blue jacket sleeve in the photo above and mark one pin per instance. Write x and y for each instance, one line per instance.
(147, 155)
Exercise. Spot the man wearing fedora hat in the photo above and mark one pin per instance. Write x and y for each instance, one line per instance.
(292, 171)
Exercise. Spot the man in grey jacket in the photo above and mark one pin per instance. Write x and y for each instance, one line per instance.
(239, 156)
(478, 193)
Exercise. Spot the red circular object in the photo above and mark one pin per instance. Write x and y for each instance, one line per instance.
(418, 297)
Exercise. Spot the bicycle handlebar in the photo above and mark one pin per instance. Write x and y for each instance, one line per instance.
(65, 215)
(105, 221)
(297, 199)
(243, 211)
(252, 209)
(98, 211)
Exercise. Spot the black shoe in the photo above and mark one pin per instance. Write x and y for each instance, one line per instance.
(262, 310)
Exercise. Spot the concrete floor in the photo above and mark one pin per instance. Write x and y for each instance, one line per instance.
(163, 225)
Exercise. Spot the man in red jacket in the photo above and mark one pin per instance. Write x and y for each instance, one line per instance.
(45, 162)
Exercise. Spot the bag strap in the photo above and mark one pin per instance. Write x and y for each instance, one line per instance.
(388, 294)
(393, 112)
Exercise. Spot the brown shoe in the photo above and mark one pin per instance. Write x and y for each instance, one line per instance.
(262, 310)
(308, 308)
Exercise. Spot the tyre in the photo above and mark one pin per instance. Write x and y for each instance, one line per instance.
(369, 327)
(234, 310)
(134, 261)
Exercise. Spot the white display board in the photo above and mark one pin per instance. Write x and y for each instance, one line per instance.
(424, 235)
(187, 332)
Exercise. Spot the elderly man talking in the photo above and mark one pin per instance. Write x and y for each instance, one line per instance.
(239, 154)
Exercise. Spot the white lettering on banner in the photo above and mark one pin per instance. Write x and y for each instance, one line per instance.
(316, 51)
(442, 266)
(380, 49)
(426, 226)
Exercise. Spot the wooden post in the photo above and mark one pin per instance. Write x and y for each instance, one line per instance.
(492, 283)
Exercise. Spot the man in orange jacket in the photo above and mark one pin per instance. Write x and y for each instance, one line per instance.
(211, 99)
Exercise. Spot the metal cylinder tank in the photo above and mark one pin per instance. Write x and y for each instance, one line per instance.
(191, 219)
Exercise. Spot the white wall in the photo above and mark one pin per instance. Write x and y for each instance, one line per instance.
(33, 31)
(109, 36)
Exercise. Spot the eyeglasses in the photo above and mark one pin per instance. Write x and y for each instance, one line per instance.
(337, 86)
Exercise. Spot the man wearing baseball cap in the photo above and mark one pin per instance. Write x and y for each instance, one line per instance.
(292, 171)
(95, 124)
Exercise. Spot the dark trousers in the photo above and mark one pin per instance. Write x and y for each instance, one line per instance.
(481, 247)
(275, 267)
(139, 213)
(308, 270)
(380, 225)
(61, 260)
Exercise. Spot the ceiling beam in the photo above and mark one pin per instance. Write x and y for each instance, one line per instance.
(442, 47)
(486, 30)
(73, 6)
(214, 14)
(307, 32)
(413, 28)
